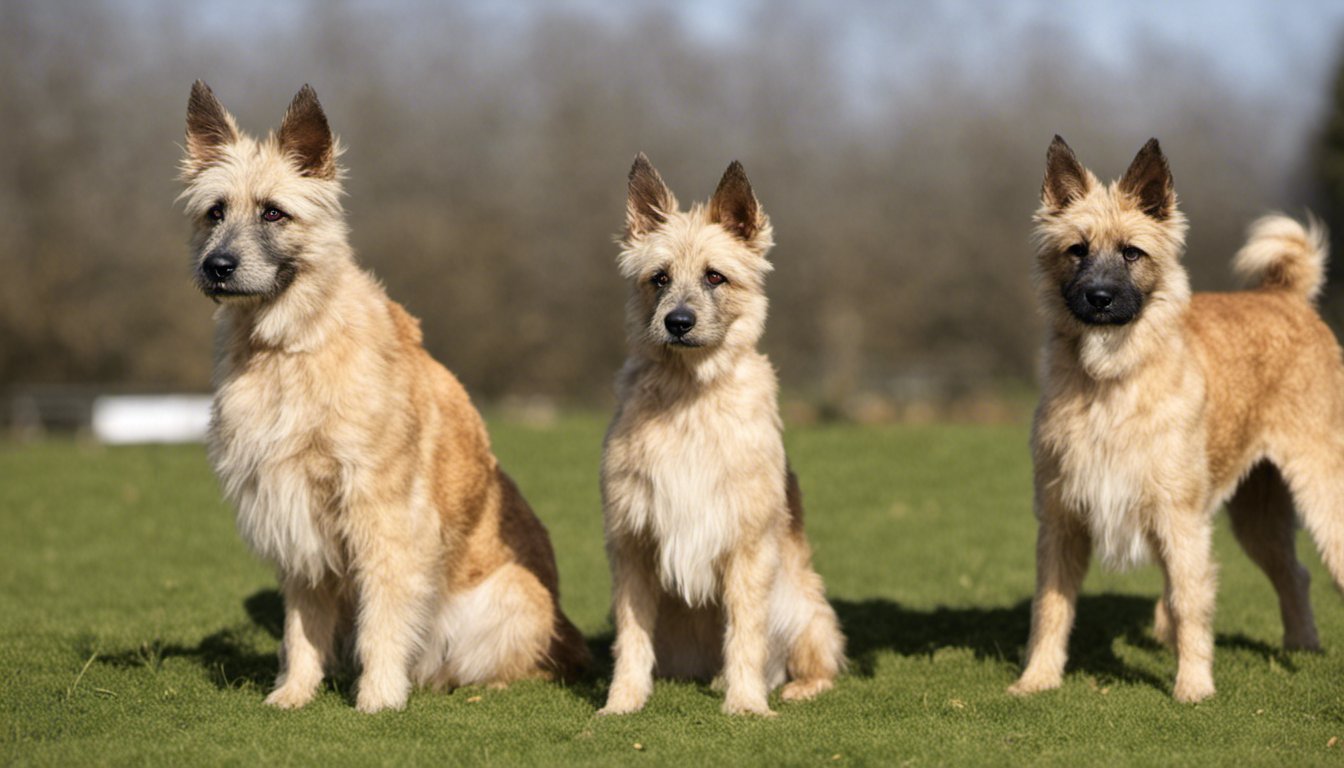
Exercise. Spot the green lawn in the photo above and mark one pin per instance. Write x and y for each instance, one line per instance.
(135, 628)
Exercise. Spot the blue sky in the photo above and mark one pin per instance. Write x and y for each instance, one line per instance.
(1278, 55)
(1266, 45)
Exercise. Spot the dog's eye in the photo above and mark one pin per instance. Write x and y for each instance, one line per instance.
(273, 214)
(714, 278)
(216, 213)
(1078, 250)
(1131, 253)
(661, 279)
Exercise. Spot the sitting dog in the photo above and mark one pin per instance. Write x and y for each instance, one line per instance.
(357, 464)
(704, 523)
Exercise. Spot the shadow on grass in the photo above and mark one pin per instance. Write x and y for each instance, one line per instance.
(229, 656)
(232, 659)
(592, 686)
(879, 625)
(998, 634)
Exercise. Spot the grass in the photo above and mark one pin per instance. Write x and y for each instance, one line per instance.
(135, 628)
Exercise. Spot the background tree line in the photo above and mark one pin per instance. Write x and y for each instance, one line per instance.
(487, 160)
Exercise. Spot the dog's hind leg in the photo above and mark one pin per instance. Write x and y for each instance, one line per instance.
(1316, 478)
(1262, 519)
(1164, 626)
(311, 614)
(816, 657)
(495, 632)
(800, 616)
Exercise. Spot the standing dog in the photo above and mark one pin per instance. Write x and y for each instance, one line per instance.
(357, 464)
(704, 523)
(1160, 406)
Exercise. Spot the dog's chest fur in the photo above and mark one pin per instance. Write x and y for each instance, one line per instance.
(689, 476)
(1103, 477)
(1122, 451)
(271, 446)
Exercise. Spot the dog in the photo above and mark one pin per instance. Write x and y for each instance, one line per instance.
(357, 464)
(710, 567)
(1159, 406)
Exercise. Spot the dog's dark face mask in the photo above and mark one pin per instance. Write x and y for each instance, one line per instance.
(1102, 290)
(1103, 252)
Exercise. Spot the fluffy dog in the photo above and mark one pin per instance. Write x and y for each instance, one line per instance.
(1159, 406)
(357, 464)
(711, 570)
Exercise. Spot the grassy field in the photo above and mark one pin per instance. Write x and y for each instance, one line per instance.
(135, 628)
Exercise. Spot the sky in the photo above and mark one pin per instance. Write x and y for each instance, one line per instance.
(1280, 52)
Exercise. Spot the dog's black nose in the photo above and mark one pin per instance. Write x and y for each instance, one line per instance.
(218, 266)
(1100, 298)
(679, 321)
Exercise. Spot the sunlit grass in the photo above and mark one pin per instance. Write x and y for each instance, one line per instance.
(135, 628)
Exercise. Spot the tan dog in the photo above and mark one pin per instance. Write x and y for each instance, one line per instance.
(711, 570)
(357, 464)
(1158, 407)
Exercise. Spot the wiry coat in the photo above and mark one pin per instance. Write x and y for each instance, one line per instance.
(357, 464)
(1148, 424)
(711, 569)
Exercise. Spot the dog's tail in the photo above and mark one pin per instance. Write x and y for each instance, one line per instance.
(1281, 254)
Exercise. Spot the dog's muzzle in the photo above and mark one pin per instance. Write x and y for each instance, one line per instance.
(1102, 301)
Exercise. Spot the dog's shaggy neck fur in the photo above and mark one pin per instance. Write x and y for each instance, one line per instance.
(303, 317)
(1109, 353)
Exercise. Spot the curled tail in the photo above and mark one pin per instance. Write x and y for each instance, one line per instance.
(1281, 254)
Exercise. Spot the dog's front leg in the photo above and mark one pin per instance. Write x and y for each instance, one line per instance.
(392, 577)
(635, 610)
(1063, 548)
(311, 611)
(1185, 548)
(747, 577)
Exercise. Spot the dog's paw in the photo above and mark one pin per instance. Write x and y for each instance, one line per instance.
(291, 696)
(370, 703)
(1191, 689)
(624, 699)
(1025, 686)
(619, 709)
(377, 694)
(802, 690)
(747, 706)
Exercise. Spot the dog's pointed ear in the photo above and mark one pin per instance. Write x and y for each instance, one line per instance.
(306, 138)
(648, 201)
(1066, 180)
(734, 206)
(1148, 181)
(210, 128)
